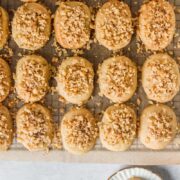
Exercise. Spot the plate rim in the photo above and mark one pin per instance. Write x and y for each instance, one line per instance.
(134, 167)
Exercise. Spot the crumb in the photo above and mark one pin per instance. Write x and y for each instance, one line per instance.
(150, 102)
(62, 110)
(56, 142)
(138, 101)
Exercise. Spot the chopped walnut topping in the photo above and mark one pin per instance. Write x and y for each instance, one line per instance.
(34, 78)
(76, 78)
(5, 130)
(115, 25)
(74, 26)
(156, 24)
(4, 82)
(33, 128)
(120, 78)
(119, 127)
(160, 126)
(162, 80)
(81, 131)
(31, 26)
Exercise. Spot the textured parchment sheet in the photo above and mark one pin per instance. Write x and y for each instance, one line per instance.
(96, 54)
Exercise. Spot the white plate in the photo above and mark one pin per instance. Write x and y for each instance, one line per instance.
(125, 174)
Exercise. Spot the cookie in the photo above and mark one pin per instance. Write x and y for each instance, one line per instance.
(6, 128)
(117, 78)
(160, 78)
(113, 25)
(4, 27)
(75, 80)
(32, 75)
(34, 127)
(31, 26)
(156, 24)
(118, 127)
(72, 24)
(5, 79)
(158, 126)
(79, 131)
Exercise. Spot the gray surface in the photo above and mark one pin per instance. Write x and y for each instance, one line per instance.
(57, 171)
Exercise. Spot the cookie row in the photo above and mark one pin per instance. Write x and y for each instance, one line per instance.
(31, 25)
(75, 79)
(80, 130)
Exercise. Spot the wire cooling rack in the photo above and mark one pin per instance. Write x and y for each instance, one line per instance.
(96, 54)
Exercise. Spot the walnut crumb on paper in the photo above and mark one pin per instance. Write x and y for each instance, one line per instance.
(56, 142)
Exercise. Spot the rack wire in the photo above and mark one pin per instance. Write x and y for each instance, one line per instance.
(96, 55)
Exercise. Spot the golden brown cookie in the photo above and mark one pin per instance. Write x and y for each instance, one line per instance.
(32, 75)
(72, 24)
(4, 27)
(34, 127)
(157, 24)
(31, 26)
(158, 126)
(118, 127)
(117, 78)
(6, 128)
(5, 79)
(75, 80)
(79, 131)
(160, 78)
(113, 25)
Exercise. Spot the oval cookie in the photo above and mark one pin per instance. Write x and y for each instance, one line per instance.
(32, 75)
(79, 131)
(75, 80)
(117, 78)
(4, 27)
(34, 127)
(158, 126)
(118, 127)
(160, 78)
(6, 128)
(113, 25)
(31, 26)
(156, 24)
(72, 24)
(5, 79)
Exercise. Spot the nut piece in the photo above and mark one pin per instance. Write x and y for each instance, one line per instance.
(113, 25)
(157, 126)
(75, 80)
(5, 79)
(4, 27)
(160, 77)
(118, 78)
(32, 75)
(79, 131)
(34, 127)
(156, 24)
(72, 24)
(118, 127)
(6, 128)
(31, 26)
